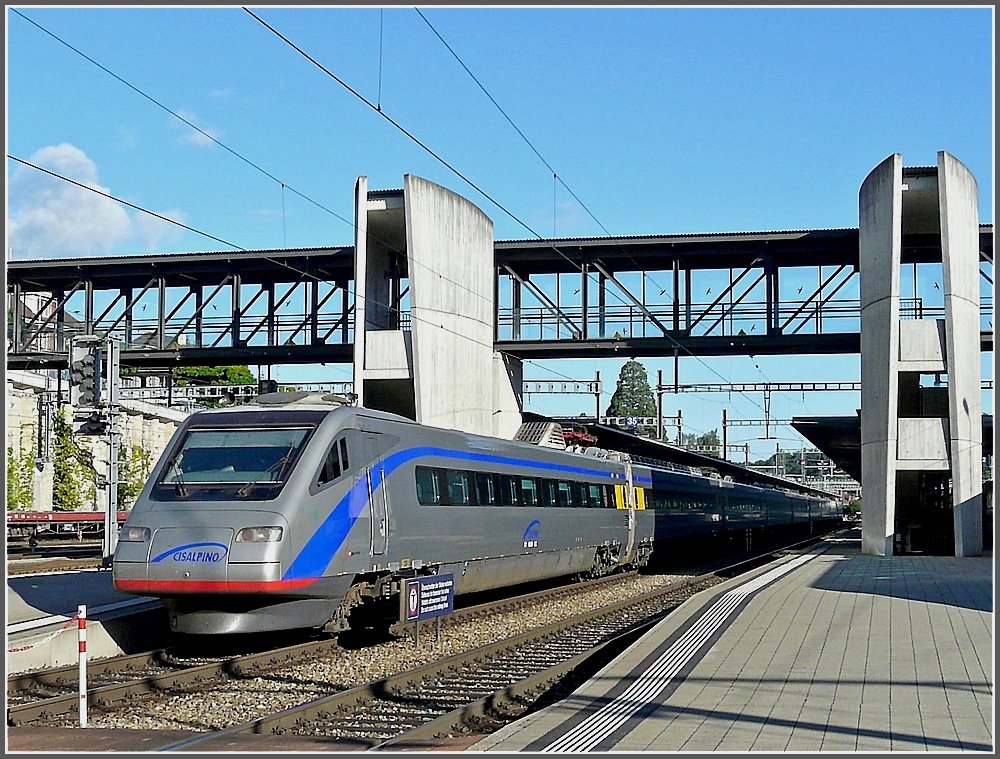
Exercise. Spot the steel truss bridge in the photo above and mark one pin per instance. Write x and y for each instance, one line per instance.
(750, 293)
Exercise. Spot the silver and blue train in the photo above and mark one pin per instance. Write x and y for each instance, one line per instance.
(303, 511)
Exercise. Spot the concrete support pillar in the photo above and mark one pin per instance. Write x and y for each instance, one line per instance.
(439, 368)
(905, 429)
(880, 248)
(960, 256)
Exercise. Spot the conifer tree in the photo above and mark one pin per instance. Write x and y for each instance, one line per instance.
(633, 396)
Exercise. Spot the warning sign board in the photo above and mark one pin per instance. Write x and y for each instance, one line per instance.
(426, 597)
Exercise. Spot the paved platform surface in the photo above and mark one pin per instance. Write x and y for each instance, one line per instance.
(831, 651)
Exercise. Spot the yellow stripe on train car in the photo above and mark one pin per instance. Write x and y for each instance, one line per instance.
(640, 499)
(619, 496)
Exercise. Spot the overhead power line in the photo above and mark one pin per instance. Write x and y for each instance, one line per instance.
(124, 202)
(285, 264)
(212, 138)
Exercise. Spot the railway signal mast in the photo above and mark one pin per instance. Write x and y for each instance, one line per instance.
(95, 384)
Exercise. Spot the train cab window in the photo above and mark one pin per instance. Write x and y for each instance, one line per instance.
(529, 491)
(343, 454)
(485, 489)
(428, 490)
(227, 462)
(458, 488)
(335, 463)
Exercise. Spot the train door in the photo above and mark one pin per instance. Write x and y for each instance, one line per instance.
(378, 493)
(626, 555)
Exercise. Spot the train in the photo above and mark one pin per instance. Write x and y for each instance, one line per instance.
(303, 510)
(42, 524)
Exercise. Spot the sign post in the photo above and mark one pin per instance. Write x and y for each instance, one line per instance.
(426, 597)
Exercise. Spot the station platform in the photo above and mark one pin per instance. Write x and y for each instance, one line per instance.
(41, 627)
(829, 651)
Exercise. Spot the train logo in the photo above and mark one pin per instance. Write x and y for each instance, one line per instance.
(530, 539)
(195, 553)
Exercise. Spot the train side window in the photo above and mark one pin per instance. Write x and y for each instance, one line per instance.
(428, 492)
(576, 490)
(458, 487)
(508, 491)
(548, 493)
(485, 489)
(594, 496)
(563, 495)
(529, 491)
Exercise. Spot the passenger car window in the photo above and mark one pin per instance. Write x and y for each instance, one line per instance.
(428, 491)
(458, 488)
(485, 489)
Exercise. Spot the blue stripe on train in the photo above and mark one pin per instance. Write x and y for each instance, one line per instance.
(326, 541)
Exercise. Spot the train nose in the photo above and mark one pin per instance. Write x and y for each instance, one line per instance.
(179, 554)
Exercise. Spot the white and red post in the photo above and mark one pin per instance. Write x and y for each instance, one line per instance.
(81, 615)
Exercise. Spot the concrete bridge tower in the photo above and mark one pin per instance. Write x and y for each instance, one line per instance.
(424, 308)
(921, 446)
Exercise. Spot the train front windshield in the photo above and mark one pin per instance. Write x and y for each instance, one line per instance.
(244, 463)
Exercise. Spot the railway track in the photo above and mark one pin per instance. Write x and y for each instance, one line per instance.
(476, 691)
(120, 680)
(468, 690)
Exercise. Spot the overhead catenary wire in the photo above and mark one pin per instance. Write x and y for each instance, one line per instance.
(450, 167)
(555, 177)
(305, 197)
(123, 202)
(284, 185)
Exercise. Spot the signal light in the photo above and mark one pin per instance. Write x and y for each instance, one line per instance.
(85, 376)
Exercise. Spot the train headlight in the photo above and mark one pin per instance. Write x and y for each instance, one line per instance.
(135, 535)
(259, 535)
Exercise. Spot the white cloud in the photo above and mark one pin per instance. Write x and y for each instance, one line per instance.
(51, 218)
(205, 138)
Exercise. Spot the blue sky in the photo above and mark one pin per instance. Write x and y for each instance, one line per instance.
(659, 119)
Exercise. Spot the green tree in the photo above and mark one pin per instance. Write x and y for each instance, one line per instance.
(134, 466)
(20, 476)
(709, 439)
(214, 375)
(633, 396)
(73, 475)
